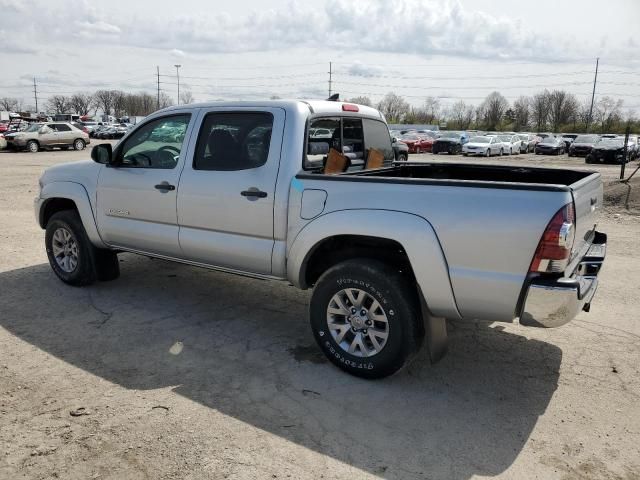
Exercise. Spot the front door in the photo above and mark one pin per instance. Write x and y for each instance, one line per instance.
(136, 204)
(226, 195)
(48, 135)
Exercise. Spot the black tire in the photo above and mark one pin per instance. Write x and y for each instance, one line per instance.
(398, 298)
(501, 151)
(465, 154)
(78, 144)
(487, 153)
(402, 157)
(92, 263)
(32, 146)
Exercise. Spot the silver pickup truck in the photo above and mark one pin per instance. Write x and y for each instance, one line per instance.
(307, 191)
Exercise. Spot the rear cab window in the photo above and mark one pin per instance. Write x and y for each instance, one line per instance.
(354, 137)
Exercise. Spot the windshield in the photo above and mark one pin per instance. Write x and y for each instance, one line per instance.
(410, 137)
(505, 138)
(34, 127)
(450, 135)
(586, 139)
(523, 137)
(614, 142)
(479, 140)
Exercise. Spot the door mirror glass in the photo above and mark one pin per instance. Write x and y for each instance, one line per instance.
(102, 153)
(44, 130)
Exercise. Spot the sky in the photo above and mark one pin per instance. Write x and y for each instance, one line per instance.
(254, 49)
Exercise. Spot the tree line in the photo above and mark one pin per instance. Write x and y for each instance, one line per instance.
(555, 110)
(109, 102)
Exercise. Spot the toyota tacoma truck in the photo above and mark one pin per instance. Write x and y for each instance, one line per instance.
(391, 250)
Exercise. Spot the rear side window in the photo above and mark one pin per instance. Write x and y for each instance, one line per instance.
(376, 136)
(60, 127)
(233, 141)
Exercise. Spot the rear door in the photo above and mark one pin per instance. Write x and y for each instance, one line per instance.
(65, 134)
(226, 193)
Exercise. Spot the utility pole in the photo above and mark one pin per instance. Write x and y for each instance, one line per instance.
(35, 93)
(595, 79)
(178, 75)
(330, 74)
(158, 101)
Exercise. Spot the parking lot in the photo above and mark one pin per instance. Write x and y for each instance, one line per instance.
(177, 372)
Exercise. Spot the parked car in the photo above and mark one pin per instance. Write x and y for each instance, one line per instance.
(400, 150)
(551, 145)
(512, 144)
(568, 139)
(3, 142)
(449, 142)
(389, 252)
(483, 145)
(417, 143)
(4, 126)
(609, 150)
(582, 145)
(528, 142)
(633, 147)
(48, 135)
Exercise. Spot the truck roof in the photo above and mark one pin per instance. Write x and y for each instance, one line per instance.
(316, 107)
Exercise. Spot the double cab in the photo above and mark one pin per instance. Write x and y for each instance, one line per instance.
(391, 250)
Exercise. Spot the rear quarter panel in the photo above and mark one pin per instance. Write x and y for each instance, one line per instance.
(487, 236)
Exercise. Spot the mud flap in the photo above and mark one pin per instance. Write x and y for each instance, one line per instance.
(435, 329)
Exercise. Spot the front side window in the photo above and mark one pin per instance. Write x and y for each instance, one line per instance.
(156, 144)
(233, 141)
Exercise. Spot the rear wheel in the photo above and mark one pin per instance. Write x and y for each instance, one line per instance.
(501, 151)
(402, 157)
(487, 153)
(365, 317)
(79, 144)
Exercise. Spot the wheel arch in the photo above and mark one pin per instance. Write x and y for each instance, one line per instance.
(58, 196)
(405, 239)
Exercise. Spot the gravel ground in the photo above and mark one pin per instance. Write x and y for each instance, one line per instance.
(176, 372)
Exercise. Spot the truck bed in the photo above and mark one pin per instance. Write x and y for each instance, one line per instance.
(478, 174)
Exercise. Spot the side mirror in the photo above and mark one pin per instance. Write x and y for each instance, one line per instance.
(102, 153)
(42, 131)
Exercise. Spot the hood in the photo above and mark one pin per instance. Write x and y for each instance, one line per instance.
(581, 144)
(476, 144)
(84, 172)
(608, 147)
(447, 140)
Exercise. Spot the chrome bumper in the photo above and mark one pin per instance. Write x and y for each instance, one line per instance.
(552, 303)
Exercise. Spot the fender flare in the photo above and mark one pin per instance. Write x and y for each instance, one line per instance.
(414, 233)
(78, 194)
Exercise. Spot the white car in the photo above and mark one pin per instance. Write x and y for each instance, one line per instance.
(512, 144)
(483, 145)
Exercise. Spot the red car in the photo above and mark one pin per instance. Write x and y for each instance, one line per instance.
(417, 143)
(3, 127)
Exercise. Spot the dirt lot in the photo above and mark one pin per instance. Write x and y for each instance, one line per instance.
(186, 373)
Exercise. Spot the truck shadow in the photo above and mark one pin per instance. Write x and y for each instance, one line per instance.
(243, 347)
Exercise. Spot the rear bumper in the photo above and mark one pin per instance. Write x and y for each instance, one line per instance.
(552, 303)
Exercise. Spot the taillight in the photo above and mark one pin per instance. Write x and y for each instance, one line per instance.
(554, 249)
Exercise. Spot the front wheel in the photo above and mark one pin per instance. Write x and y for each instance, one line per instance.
(72, 256)
(33, 146)
(365, 318)
(402, 157)
(79, 144)
(487, 153)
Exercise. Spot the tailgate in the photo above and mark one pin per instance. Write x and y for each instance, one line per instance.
(587, 199)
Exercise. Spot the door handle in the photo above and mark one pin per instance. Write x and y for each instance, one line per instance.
(253, 192)
(165, 186)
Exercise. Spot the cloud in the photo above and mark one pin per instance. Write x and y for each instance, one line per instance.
(420, 27)
(357, 69)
